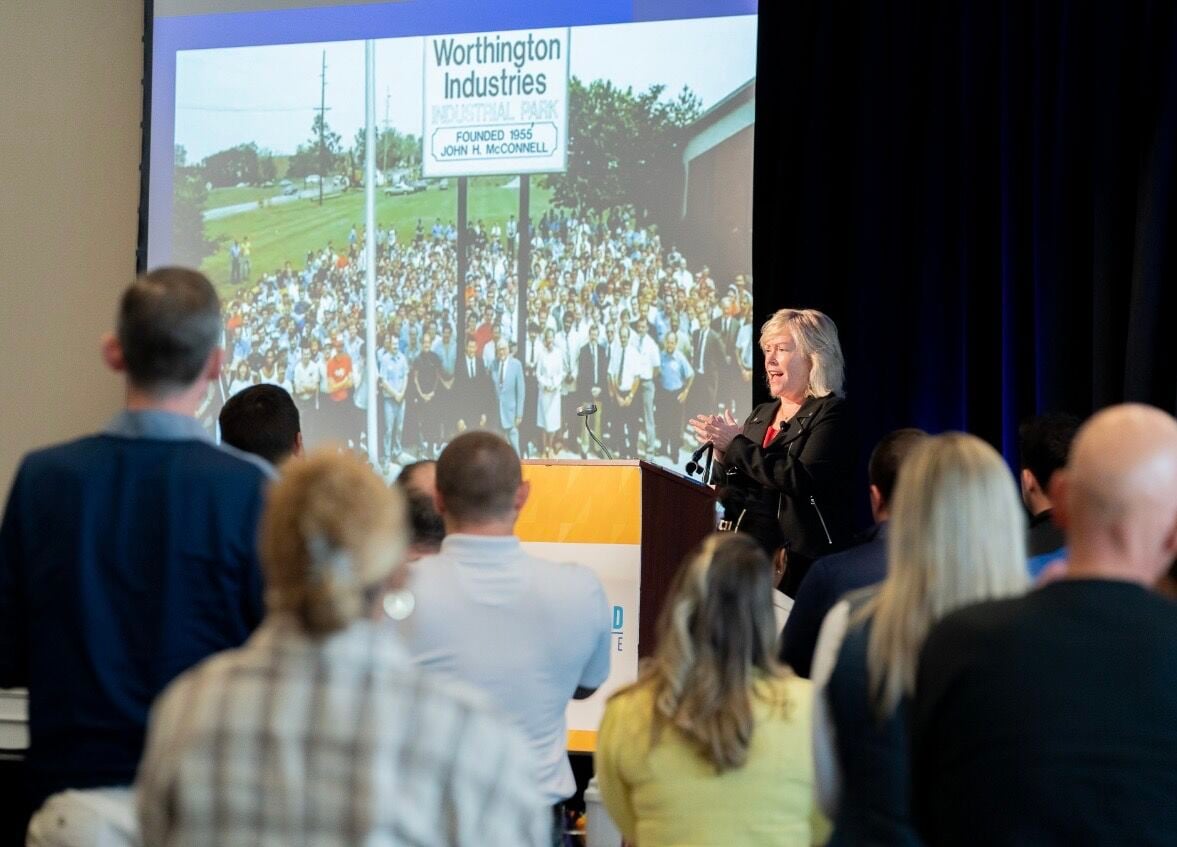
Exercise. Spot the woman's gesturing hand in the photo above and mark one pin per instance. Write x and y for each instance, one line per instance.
(719, 430)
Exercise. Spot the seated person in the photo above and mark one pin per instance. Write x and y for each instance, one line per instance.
(264, 421)
(320, 729)
(712, 744)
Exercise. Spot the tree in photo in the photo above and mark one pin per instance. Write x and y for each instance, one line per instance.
(235, 165)
(189, 245)
(624, 148)
(320, 154)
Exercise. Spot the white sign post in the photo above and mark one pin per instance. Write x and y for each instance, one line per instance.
(496, 103)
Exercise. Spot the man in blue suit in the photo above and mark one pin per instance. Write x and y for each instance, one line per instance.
(507, 376)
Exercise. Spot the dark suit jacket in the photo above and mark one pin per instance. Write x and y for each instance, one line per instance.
(473, 398)
(584, 371)
(828, 581)
(727, 338)
(705, 388)
(799, 491)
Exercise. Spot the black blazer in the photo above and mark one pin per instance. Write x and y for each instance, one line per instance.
(584, 371)
(799, 491)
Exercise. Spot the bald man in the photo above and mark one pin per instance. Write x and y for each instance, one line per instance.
(1052, 718)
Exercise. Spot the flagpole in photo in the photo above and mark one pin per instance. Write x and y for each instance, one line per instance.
(370, 247)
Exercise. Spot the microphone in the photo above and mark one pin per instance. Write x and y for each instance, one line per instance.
(693, 466)
(586, 411)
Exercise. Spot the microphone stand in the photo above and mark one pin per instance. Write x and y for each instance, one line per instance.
(587, 411)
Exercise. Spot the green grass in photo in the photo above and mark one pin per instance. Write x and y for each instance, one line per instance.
(286, 232)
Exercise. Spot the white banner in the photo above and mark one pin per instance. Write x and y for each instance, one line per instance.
(496, 103)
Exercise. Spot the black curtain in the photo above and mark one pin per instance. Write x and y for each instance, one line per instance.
(981, 195)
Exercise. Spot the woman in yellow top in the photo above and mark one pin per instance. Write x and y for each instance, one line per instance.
(711, 745)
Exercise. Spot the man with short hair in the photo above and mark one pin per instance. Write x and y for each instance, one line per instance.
(1043, 444)
(262, 420)
(125, 558)
(1049, 718)
(420, 477)
(831, 577)
(530, 633)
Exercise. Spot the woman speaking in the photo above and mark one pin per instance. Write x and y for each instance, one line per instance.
(787, 476)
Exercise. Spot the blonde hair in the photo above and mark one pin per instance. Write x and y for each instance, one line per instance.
(957, 535)
(817, 337)
(717, 638)
(332, 532)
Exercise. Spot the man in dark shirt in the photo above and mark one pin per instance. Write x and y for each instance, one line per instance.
(1043, 444)
(1050, 719)
(831, 577)
(126, 557)
(264, 421)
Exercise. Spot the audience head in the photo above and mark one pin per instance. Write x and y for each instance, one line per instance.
(1118, 495)
(262, 420)
(480, 485)
(419, 477)
(957, 535)
(815, 337)
(426, 527)
(883, 467)
(717, 633)
(332, 535)
(169, 323)
(1043, 444)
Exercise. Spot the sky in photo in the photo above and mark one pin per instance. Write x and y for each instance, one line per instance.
(270, 94)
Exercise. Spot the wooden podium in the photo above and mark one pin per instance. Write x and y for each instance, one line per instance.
(626, 501)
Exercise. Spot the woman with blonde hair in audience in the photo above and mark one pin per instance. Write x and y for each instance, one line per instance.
(956, 536)
(320, 728)
(711, 744)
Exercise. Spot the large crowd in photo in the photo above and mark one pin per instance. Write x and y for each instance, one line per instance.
(616, 318)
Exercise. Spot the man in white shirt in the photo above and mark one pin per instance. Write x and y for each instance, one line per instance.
(625, 385)
(650, 367)
(528, 632)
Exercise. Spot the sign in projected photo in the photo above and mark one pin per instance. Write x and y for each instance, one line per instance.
(496, 103)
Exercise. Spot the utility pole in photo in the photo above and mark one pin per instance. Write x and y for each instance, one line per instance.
(322, 126)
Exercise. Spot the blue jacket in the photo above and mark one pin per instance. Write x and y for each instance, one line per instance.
(125, 558)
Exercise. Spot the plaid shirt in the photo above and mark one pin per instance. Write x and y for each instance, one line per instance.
(291, 740)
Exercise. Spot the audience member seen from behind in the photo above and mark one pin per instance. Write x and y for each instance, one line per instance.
(956, 536)
(1050, 719)
(832, 577)
(419, 476)
(264, 421)
(125, 558)
(1043, 444)
(531, 633)
(786, 477)
(320, 727)
(712, 744)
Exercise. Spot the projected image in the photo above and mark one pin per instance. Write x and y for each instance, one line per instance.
(601, 256)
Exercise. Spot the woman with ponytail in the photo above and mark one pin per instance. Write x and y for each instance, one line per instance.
(320, 728)
(711, 744)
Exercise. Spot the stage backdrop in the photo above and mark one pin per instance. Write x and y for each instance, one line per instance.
(982, 195)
